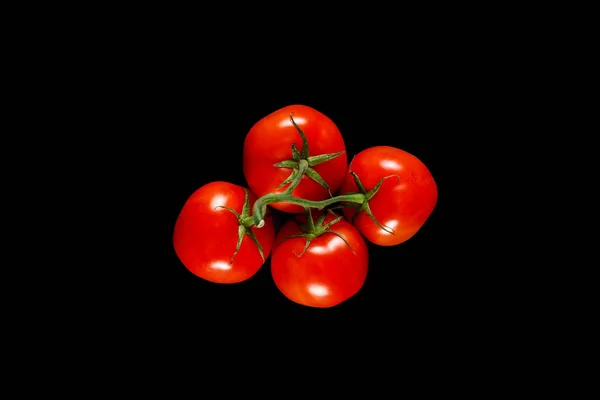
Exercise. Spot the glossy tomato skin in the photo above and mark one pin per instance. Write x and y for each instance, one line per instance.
(269, 141)
(328, 273)
(403, 205)
(205, 238)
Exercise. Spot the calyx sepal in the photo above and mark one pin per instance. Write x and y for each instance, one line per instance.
(246, 222)
(313, 229)
(369, 194)
(303, 154)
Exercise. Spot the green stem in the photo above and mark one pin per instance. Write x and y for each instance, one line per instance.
(248, 222)
(302, 167)
(260, 206)
(310, 224)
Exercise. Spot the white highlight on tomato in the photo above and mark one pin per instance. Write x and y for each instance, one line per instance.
(217, 200)
(390, 164)
(221, 265)
(287, 122)
(318, 290)
(392, 224)
(334, 243)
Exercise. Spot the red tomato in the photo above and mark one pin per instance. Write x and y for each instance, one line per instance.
(269, 142)
(205, 236)
(328, 273)
(402, 205)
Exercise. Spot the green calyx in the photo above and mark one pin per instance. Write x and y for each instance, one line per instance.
(246, 222)
(303, 154)
(313, 229)
(364, 206)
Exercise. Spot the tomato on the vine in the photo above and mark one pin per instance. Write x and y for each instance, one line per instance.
(268, 158)
(330, 270)
(401, 205)
(213, 236)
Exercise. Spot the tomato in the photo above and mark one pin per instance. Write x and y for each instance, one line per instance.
(206, 234)
(328, 273)
(402, 204)
(269, 142)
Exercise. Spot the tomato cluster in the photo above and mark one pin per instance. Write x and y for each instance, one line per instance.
(294, 159)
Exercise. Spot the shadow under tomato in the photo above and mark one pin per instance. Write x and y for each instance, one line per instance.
(279, 218)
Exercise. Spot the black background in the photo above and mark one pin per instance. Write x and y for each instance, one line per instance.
(159, 116)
